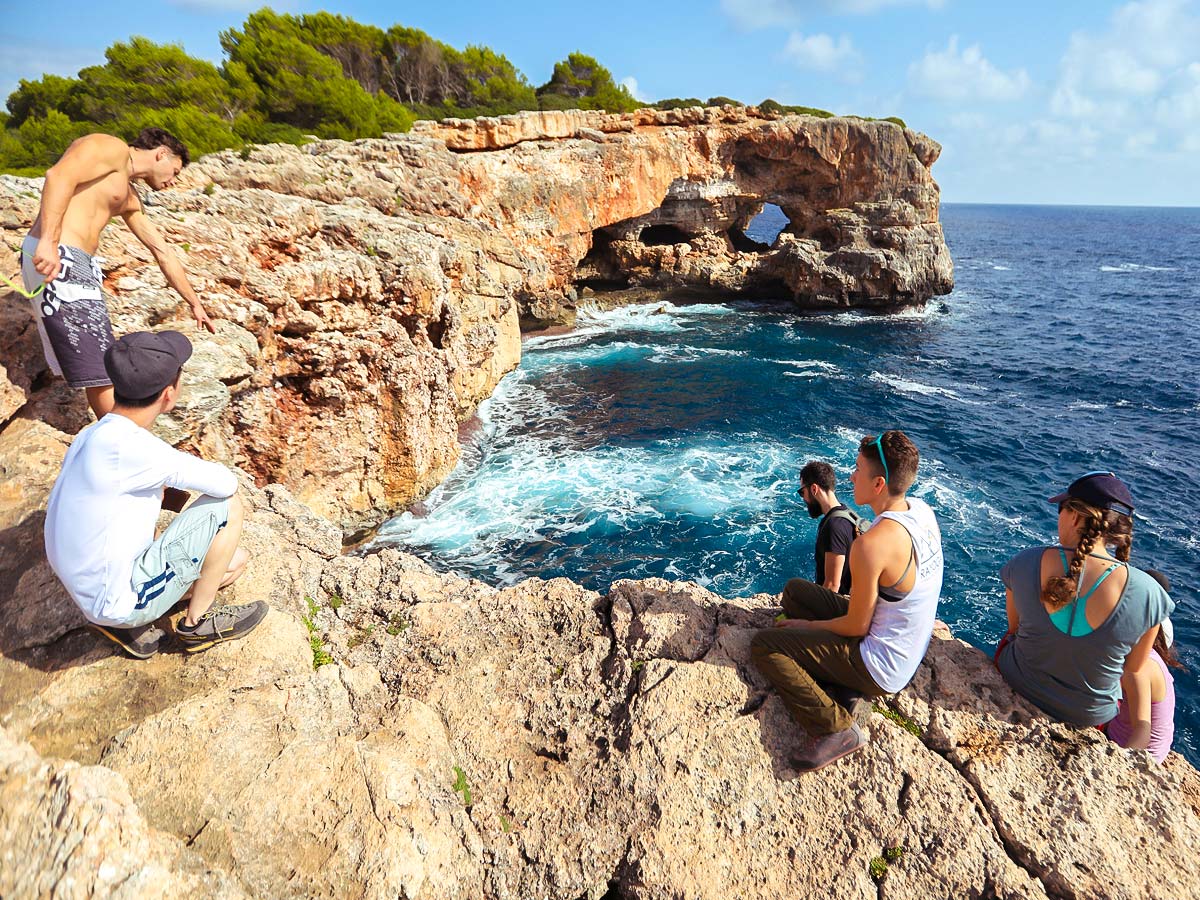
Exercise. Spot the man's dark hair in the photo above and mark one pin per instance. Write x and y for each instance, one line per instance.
(153, 138)
(818, 473)
(143, 402)
(901, 456)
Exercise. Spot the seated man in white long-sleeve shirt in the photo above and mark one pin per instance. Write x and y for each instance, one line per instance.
(104, 506)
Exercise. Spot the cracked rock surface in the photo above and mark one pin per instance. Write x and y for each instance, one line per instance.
(540, 741)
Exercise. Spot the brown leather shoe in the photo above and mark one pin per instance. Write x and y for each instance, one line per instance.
(829, 748)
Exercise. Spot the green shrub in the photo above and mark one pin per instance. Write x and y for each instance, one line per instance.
(461, 786)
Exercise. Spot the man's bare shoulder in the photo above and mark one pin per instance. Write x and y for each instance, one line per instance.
(97, 147)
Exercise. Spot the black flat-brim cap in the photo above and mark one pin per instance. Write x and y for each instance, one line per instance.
(143, 363)
(1103, 490)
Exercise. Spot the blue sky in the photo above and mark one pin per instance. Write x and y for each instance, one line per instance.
(1034, 102)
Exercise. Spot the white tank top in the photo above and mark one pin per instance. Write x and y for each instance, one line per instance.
(901, 629)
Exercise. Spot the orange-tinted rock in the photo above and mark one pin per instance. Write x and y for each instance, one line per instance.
(372, 292)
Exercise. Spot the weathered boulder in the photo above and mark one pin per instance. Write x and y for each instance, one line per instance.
(369, 295)
(70, 831)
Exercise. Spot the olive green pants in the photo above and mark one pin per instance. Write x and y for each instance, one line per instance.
(799, 662)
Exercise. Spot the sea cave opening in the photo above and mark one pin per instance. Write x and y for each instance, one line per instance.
(663, 235)
(764, 229)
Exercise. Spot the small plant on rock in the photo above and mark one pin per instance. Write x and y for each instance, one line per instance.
(900, 719)
(361, 637)
(877, 868)
(461, 786)
(321, 656)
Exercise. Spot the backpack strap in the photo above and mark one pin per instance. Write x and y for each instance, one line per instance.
(844, 512)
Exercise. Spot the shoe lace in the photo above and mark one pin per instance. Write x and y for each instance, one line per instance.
(230, 613)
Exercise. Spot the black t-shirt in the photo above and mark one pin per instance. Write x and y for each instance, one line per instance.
(835, 535)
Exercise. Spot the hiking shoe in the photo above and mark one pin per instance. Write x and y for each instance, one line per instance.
(828, 748)
(140, 642)
(859, 707)
(220, 623)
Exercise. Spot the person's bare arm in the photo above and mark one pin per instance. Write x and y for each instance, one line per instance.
(1010, 607)
(867, 559)
(834, 563)
(1135, 685)
(1139, 656)
(88, 158)
(144, 230)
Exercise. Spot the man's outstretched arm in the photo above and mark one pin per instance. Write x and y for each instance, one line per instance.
(88, 158)
(144, 230)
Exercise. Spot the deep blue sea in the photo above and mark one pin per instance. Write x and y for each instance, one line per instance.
(666, 440)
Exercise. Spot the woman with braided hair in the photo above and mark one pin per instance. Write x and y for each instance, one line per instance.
(1079, 616)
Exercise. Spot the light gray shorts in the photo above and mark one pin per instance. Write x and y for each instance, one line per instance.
(171, 565)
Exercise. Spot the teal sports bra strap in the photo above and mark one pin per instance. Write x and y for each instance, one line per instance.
(1062, 554)
(1100, 581)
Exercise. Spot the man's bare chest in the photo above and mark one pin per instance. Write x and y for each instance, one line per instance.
(108, 196)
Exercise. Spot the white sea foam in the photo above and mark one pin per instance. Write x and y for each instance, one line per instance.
(691, 354)
(587, 354)
(858, 317)
(1136, 267)
(818, 365)
(909, 386)
(527, 491)
(1087, 404)
(1001, 268)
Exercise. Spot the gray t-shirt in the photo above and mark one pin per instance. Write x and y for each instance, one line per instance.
(1074, 679)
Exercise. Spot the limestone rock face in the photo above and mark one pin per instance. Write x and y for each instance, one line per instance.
(73, 831)
(369, 295)
(539, 741)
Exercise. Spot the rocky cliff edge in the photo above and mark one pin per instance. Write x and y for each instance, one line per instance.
(542, 741)
(369, 295)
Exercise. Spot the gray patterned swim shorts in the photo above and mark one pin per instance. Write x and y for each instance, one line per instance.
(71, 315)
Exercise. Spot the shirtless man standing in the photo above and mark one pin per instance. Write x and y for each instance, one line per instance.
(84, 190)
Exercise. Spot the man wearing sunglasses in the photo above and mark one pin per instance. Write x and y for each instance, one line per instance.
(837, 529)
(832, 651)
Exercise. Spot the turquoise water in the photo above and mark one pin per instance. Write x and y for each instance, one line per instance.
(665, 440)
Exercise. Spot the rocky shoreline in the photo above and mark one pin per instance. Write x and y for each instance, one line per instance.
(370, 294)
(389, 731)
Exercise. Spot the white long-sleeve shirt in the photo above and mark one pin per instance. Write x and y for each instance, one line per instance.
(104, 507)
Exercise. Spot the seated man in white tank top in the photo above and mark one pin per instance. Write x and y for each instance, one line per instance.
(871, 643)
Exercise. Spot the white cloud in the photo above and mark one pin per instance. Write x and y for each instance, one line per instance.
(951, 74)
(751, 14)
(630, 84)
(1138, 77)
(821, 53)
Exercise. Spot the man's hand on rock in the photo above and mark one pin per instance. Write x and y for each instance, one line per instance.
(202, 319)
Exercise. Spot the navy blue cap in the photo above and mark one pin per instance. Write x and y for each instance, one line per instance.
(1103, 490)
(143, 363)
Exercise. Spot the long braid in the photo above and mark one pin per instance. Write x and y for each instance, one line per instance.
(1061, 589)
